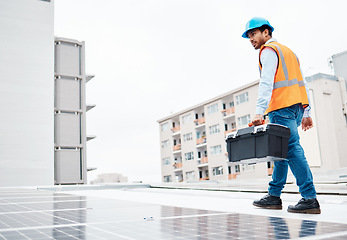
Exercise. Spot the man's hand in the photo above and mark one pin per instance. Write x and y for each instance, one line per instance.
(257, 120)
(306, 123)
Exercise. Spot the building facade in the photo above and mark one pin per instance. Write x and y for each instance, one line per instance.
(43, 121)
(325, 144)
(193, 143)
(27, 93)
(338, 62)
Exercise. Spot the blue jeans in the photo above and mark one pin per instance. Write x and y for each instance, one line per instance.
(291, 117)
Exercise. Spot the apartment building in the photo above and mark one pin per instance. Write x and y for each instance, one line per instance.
(193, 143)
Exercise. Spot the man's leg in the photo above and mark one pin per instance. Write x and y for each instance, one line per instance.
(280, 172)
(291, 118)
(297, 160)
(279, 178)
(302, 172)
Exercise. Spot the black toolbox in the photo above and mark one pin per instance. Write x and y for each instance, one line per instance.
(268, 142)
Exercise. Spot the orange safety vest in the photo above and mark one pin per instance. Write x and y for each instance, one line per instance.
(289, 87)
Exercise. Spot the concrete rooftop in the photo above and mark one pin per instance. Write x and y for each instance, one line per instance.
(214, 210)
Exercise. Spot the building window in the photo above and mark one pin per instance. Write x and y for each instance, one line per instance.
(242, 121)
(164, 126)
(237, 168)
(186, 119)
(189, 156)
(187, 137)
(246, 167)
(215, 150)
(242, 98)
(167, 178)
(166, 161)
(165, 144)
(190, 176)
(214, 129)
(212, 109)
(217, 171)
(178, 160)
(233, 125)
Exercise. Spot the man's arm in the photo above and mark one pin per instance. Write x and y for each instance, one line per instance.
(306, 122)
(269, 61)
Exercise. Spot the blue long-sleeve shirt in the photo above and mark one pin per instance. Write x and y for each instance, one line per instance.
(269, 61)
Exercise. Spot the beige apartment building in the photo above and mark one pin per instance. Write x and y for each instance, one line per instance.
(193, 143)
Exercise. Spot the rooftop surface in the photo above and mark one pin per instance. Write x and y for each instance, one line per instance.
(223, 210)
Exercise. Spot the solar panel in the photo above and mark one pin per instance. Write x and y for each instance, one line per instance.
(34, 214)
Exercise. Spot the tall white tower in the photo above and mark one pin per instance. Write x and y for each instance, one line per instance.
(26, 92)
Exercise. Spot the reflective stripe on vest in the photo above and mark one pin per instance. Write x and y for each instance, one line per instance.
(286, 82)
(289, 83)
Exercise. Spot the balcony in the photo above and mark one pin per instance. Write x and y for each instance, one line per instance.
(200, 141)
(204, 179)
(233, 175)
(177, 165)
(229, 131)
(177, 147)
(176, 130)
(203, 160)
(199, 122)
(229, 112)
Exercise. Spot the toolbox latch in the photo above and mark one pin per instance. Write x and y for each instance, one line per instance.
(260, 128)
(231, 135)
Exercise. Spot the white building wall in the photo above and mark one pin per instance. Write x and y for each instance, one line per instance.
(339, 61)
(330, 129)
(26, 92)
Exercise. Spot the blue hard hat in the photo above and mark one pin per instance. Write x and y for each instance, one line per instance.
(256, 22)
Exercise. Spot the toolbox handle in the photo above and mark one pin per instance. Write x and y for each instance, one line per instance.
(251, 124)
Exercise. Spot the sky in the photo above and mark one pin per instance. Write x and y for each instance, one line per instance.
(153, 58)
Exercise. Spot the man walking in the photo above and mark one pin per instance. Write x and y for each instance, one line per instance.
(283, 95)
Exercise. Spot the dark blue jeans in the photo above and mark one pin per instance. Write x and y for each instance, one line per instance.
(291, 117)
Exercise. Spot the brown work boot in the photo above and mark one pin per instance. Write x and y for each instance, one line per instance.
(269, 202)
(310, 206)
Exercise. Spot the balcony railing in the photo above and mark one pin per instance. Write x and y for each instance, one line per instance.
(233, 175)
(229, 131)
(200, 140)
(228, 111)
(203, 160)
(199, 121)
(177, 165)
(175, 129)
(177, 147)
(204, 179)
